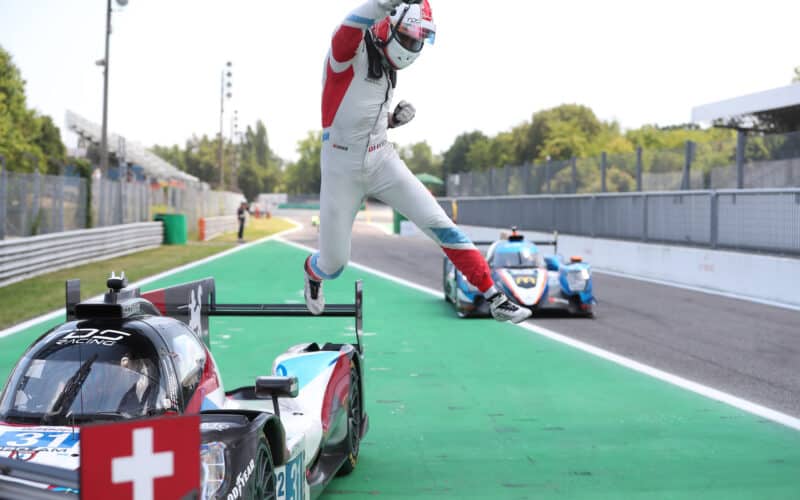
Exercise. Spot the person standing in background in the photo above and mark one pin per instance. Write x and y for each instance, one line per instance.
(241, 214)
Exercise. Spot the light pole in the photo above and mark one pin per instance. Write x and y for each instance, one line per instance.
(235, 157)
(225, 84)
(105, 63)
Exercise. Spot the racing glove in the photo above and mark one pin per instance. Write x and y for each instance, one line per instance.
(402, 114)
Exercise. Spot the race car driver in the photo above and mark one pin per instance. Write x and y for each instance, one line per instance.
(376, 40)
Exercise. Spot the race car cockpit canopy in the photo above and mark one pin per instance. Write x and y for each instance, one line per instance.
(82, 374)
(518, 255)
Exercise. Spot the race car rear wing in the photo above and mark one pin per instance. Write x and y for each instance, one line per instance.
(17, 478)
(192, 303)
(336, 310)
(547, 243)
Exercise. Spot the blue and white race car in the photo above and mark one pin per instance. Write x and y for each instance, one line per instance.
(529, 278)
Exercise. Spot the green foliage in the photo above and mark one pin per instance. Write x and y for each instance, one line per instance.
(250, 167)
(562, 132)
(419, 158)
(574, 131)
(304, 176)
(27, 140)
(796, 78)
(259, 168)
(455, 158)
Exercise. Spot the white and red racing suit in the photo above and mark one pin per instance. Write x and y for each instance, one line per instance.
(358, 160)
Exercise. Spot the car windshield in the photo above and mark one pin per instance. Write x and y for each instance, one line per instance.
(86, 375)
(523, 257)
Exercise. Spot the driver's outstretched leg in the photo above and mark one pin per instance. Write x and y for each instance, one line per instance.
(400, 189)
(341, 195)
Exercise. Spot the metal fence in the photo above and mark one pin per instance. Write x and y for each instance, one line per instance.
(34, 204)
(748, 161)
(751, 220)
(38, 204)
(116, 202)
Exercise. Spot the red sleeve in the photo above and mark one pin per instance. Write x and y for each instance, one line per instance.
(345, 43)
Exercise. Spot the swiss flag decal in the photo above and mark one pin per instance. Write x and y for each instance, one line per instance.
(155, 459)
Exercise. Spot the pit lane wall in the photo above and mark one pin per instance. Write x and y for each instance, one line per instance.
(642, 235)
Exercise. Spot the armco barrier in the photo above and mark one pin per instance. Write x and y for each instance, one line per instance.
(211, 227)
(26, 257)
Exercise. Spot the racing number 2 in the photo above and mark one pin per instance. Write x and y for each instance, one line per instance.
(290, 484)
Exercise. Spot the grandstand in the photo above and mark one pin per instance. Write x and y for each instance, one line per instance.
(134, 153)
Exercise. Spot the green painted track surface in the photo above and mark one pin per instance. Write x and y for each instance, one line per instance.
(478, 409)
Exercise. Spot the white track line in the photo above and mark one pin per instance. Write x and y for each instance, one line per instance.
(709, 392)
(54, 314)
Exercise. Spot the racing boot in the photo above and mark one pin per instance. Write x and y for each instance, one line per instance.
(505, 310)
(315, 300)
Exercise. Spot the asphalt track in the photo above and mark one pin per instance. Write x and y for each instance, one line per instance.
(479, 409)
(746, 349)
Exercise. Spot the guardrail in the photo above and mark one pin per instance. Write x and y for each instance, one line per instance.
(211, 227)
(765, 220)
(27, 257)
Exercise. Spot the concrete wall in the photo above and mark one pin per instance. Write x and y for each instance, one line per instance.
(759, 277)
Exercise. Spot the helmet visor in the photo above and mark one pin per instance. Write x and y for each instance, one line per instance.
(412, 34)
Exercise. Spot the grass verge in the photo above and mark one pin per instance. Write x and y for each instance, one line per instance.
(45, 293)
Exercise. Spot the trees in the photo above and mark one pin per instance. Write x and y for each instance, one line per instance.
(455, 159)
(304, 176)
(27, 140)
(259, 167)
(250, 167)
(419, 158)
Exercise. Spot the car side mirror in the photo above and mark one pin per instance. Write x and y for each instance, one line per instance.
(274, 387)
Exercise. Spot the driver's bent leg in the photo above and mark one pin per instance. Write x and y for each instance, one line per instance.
(396, 186)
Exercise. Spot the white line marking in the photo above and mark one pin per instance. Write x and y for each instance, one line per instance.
(54, 314)
(708, 291)
(711, 393)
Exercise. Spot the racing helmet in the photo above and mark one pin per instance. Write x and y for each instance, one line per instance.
(402, 34)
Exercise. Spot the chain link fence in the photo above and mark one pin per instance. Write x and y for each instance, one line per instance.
(38, 204)
(745, 162)
(33, 204)
(123, 202)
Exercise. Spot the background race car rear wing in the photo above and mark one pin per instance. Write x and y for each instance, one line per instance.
(22, 479)
(513, 237)
(192, 303)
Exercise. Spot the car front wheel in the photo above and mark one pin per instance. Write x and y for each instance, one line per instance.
(354, 421)
(265, 472)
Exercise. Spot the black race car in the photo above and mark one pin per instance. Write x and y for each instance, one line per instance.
(136, 355)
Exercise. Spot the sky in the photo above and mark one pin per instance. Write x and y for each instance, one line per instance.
(493, 65)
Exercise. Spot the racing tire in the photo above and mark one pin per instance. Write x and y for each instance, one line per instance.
(575, 310)
(461, 313)
(265, 482)
(354, 422)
